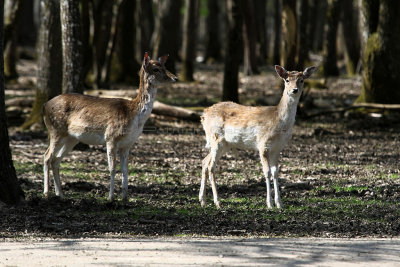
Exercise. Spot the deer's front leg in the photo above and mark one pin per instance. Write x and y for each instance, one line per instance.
(124, 169)
(112, 158)
(267, 174)
(278, 201)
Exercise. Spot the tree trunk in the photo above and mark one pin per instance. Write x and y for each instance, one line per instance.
(369, 17)
(289, 35)
(49, 70)
(189, 39)
(233, 51)
(103, 16)
(277, 30)
(351, 38)
(124, 67)
(213, 44)
(260, 15)
(10, 190)
(304, 37)
(166, 38)
(320, 10)
(11, 39)
(27, 30)
(71, 46)
(330, 56)
(381, 74)
(145, 26)
(249, 38)
(87, 22)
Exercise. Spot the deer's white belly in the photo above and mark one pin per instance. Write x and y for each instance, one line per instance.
(242, 137)
(90, 138)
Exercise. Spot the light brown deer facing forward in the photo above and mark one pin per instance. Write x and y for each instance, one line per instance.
(114, 122)
(265, 129)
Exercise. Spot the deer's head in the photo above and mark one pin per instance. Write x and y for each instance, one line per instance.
(155, 70)
(294, 80)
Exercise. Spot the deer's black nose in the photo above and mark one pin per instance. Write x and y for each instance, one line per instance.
(295, 90)
(175, 79)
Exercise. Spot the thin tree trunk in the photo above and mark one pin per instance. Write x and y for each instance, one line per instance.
(233, 51)
(321, 7)
(11, 39)
(166, 38)
(145, 26)
(49, 71)
(289, 34)
(260, 15)
(213, 44)
(330, 54)
(351, 38)
(249, 38)
(124, 67)
(87, 22)
(71, 46)
(277, 30)
(10, 190)
(304, 37)
(189, 40)
(102, 33)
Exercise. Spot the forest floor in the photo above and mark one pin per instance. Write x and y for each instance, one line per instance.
(339, 175)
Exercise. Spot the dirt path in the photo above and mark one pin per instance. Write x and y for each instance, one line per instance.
(210, 252)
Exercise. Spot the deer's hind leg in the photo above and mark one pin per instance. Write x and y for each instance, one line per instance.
(204, 176)
(217, 150)
(53, 156)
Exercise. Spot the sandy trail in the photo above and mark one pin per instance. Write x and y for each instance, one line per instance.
(187, 252)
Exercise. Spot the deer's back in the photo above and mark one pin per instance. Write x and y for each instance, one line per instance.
(74, 114)
(238, 125)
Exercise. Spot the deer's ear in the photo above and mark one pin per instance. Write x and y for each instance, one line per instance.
(146, 59)
(308, 72)
(163, 59)
(281, 72)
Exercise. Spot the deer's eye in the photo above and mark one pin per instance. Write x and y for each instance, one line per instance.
(287, 80)
(156, 70)
(301, 80)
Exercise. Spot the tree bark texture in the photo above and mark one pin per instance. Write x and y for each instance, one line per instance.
(289, 35)
(103, 18)
(319, 10)
(10, 190)
(71, 46)
(49, 70)
(12, 21)
(381, 73)
(330, 54)
(351, 38)
(260, 15)
(166, 38)
(189, 39)
(233, 51)
(124, 67)
(213, 42)
(304, 37)
(145, 27)
(249, 38)
(277, 30)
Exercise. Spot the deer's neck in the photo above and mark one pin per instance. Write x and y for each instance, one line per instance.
(146, 95)
(287, 109)
(145, 99)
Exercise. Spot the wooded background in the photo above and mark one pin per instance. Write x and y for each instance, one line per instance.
(83, 44)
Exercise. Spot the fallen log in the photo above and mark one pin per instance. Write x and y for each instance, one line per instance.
(158, 108)
(176, 112)
(393, 107)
